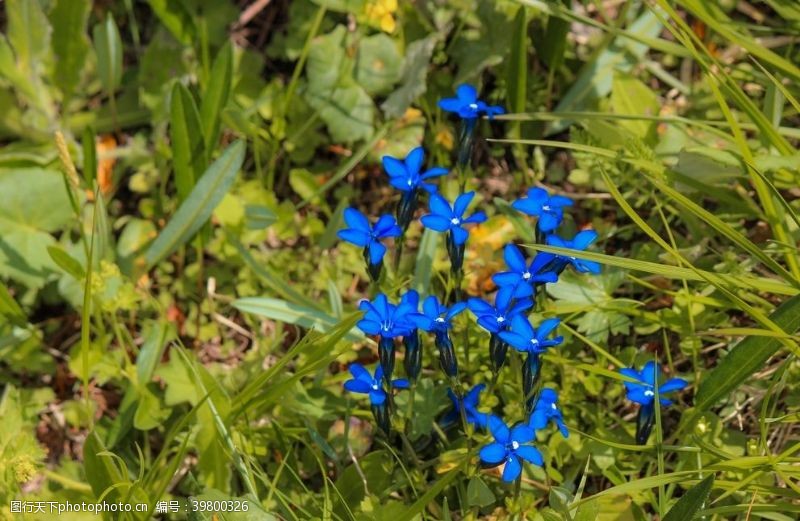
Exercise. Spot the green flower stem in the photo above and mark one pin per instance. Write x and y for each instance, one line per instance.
(456, 386)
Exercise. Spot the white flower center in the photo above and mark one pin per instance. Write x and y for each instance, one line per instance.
(514, 445)
(409, 182)
(526, 275)
(455, 221)
(386, 326)
(554, 406)
(534, 342)
(440, 320)
(374, 386)
(473, 106)
(501, 319)
(546, 207)
(649, 393)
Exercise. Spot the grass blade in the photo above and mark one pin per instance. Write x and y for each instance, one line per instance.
(197, 208)
(692, 501)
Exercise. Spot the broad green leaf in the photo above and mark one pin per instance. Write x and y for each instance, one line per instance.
(414, 77)
(258, 217)
(746, 358)
(35, 203)
(478, 494)
(156, 337)
(424, 263)
(691, 502)
(66, 262)
(199, 205)
(186, 137)
(215, 97)
(299, 315)
(102, 469)
(28, 33)
(176, 18)
(379, 64)
(596, 77)
(108, 47)
(70, 43)
(629, 96)
(9, 307)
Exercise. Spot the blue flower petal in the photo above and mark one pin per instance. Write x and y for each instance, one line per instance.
(394, 167)
(450, 104)
(467, 93)
(493, 453)
(369, 327)
(548, 221)
(356, 220)
(434, 172)
(414, 160)
(440, 206)
(506, 278)
(499, 430)
(461, 203)
(476, 218)
(513, 469)
(357, 237)
(357, 386)
(560, 201)
(436, 222)
(522, 433)
(674, 384)
(460, 235)
(377, 397)
(530, 454)
(359, 372)
(376, 252)
(514, 258)
(479, 307)
(400, 383)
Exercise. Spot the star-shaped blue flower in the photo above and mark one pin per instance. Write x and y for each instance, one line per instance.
(580, 242)
(546, 410)
(497, 317)
(523, 337)
(444, 218)
(510, 446)
(522, 277)
(362, 234)
(549, 209)
(405, 174)
(364, 383)
(467, 105)
(471, 401)
(386, 319)
(643, 391)
(436, 318)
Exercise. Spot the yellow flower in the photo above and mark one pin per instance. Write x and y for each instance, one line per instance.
(380, 13)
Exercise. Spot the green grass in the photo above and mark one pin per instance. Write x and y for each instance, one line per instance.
(177, 313)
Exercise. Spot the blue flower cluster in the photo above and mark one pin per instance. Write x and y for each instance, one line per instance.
(507, 319)
(641, 388)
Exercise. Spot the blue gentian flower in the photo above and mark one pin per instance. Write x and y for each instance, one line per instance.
(549, 209)
(467, 105)
(369, 237)
(643, 392)
(580, 242)
(364, 383)
(546, 410)
(510, 446)
(497, 318)
(436, 319)
(471, 401)
(405, 174)
(523, 337)
(444, 218)
(524, 278)
(388, 321)
(411, 341)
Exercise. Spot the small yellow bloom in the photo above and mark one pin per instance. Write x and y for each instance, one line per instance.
(380, 13)
(445, 138)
